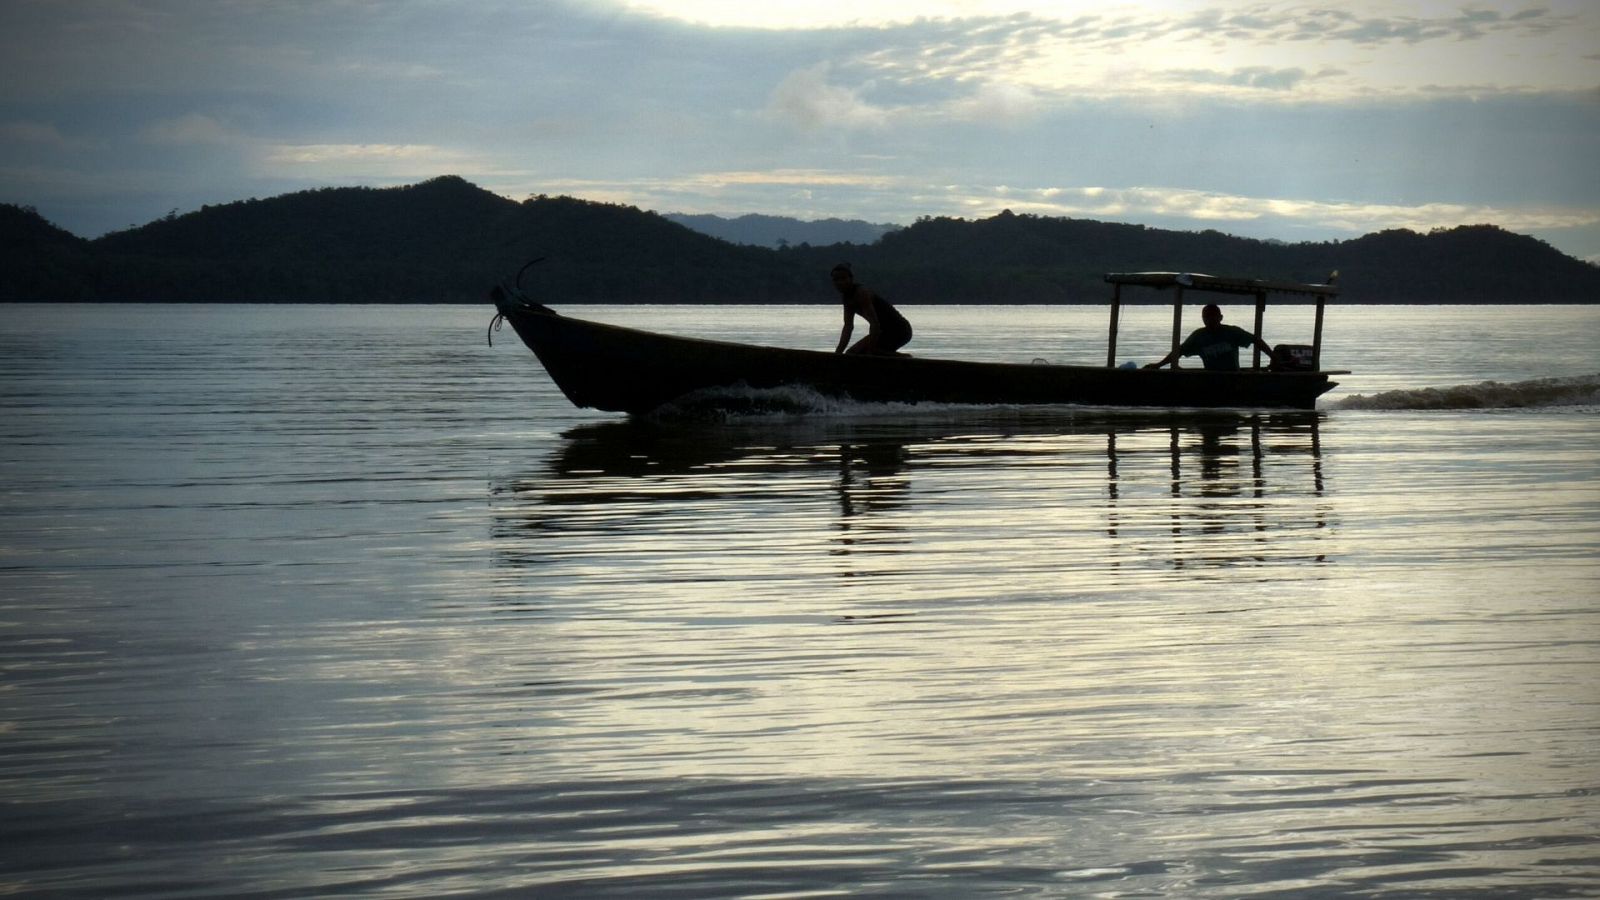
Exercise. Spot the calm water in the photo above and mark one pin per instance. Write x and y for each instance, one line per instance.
(339, 600)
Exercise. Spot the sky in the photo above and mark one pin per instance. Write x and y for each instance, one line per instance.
(1287, 121)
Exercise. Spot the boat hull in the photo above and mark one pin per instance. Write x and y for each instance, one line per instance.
(619, 369)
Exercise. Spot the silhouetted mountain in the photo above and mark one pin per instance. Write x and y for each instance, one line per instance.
(780, 231)
(39, 260)
(23, 226)
(446, 240)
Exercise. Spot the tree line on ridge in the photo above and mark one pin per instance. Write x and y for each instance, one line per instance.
(447, 241)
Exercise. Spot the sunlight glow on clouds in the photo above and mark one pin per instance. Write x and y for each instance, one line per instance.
(310, 154)
(1220, 209)
(1224, 47)
(384, 163)
(786, 14)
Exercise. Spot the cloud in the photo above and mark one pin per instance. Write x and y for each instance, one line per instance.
(38, 134)
(807, 101)
(809, 177)
(968, 50)
(997, 103)
(1393, 24)
(1169, 204)
(1395, 21)
(1252, 77)
(1384, 112)
(1276, 48)
(887, 197)
(190, 129)
(381, 163)
(819, 14)
(316, 154)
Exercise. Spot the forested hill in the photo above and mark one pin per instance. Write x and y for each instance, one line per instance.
(446, 240)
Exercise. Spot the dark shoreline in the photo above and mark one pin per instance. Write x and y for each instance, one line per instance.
(821, 302)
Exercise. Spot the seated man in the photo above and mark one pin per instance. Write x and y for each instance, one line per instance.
(1216, 344)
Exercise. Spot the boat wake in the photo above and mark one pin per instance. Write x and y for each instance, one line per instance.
(740, 402)
(1578, 390)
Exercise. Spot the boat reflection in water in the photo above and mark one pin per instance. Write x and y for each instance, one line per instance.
(1226, 459)
(959, 491)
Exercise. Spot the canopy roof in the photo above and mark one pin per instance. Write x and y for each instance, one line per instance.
(1220, 284)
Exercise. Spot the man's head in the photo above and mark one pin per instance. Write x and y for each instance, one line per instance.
(843, 278)
(1211, 315)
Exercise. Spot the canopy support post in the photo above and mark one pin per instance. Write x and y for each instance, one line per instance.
(1177, 325)
(1116, 310)
(1261, 311)
(1316, 337)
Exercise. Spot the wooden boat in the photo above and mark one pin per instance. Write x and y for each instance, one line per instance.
(610, 367)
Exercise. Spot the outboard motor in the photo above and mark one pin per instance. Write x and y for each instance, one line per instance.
(1294, 358)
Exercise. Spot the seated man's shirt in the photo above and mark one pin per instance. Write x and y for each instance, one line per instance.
(1218, 347)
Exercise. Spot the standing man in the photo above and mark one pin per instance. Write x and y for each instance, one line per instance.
(1216, 344)
(888, 330)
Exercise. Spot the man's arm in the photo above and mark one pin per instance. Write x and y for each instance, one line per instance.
(1170, 357)
(1265, 350)
(1183, 349)
(849, 326)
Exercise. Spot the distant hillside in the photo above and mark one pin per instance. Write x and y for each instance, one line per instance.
(778, 231)
(446, 240)
(1026, 259)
